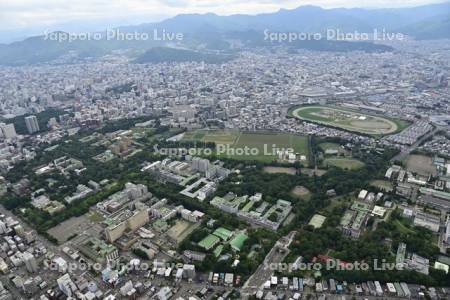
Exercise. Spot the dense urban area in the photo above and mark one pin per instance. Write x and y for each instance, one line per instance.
(275, 175)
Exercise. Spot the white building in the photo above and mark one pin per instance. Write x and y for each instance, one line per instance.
(30, 262)
(66, 285)
(8, 131)
(431, 222)
(189, 271)
(447, 232)
(362, 195)
(32, 124)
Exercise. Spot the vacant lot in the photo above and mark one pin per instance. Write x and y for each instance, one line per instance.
(420, 164)
(301, 192)
(278, 170)
(75, 225)
(181, 230)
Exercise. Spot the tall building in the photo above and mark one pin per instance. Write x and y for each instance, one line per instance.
(8, 131)
(3, 228)
(189, 271)
(200, 164)
(32, 124)
(66, 285)
(30, 262)
(447, 231)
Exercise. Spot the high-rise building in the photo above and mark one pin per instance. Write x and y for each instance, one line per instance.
(30, 262)
(8, 131)
(447, 231)
(66, 285)
(3, 228)
(32, 124)
(189, 271)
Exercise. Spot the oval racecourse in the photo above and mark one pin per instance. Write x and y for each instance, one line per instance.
(347, 119)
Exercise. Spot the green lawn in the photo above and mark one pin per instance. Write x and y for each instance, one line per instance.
(264, 145)
(402, 228)
(344, 163)
(382, 184)
(214, 136)
(330, 146)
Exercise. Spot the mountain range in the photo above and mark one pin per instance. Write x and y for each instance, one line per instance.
(209, 34)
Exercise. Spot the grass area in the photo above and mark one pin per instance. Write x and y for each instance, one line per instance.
(349, 119)
(227, 137)
(382, 184)
(330, 146)
(402, 228)
(402, 124)
(339, 201)
(344, 163)
(264, 145)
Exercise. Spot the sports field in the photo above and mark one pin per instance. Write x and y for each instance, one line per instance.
(421, 164)
(349, 119)
(344, 163)
(212, 136)
(263, 145)
(330, 146)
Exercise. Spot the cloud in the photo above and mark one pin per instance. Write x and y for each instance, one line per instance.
(40, 13)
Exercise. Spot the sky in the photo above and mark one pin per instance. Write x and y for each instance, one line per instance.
(28, 16)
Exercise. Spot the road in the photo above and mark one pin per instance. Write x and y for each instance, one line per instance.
(275, 256)
(405, 152)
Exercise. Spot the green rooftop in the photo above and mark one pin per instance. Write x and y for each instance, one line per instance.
(96, 249)
(223, 233)
(160, 225)
(347, 218)
(360, 206)
(248, 206)
(238, 241)
(358, 222)
(209, 242)
(218, 250)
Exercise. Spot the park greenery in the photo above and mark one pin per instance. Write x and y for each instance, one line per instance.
(380, 243)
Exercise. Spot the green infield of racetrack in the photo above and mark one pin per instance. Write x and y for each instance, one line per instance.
(349, 119)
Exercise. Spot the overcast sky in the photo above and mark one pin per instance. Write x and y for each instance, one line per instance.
(26, 14)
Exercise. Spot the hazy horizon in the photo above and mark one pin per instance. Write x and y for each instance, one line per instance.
(25, 17)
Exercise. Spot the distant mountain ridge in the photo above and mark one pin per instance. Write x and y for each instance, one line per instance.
(306, 18)
(211, 32)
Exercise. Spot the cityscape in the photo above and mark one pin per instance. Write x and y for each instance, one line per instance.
(229, 159)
